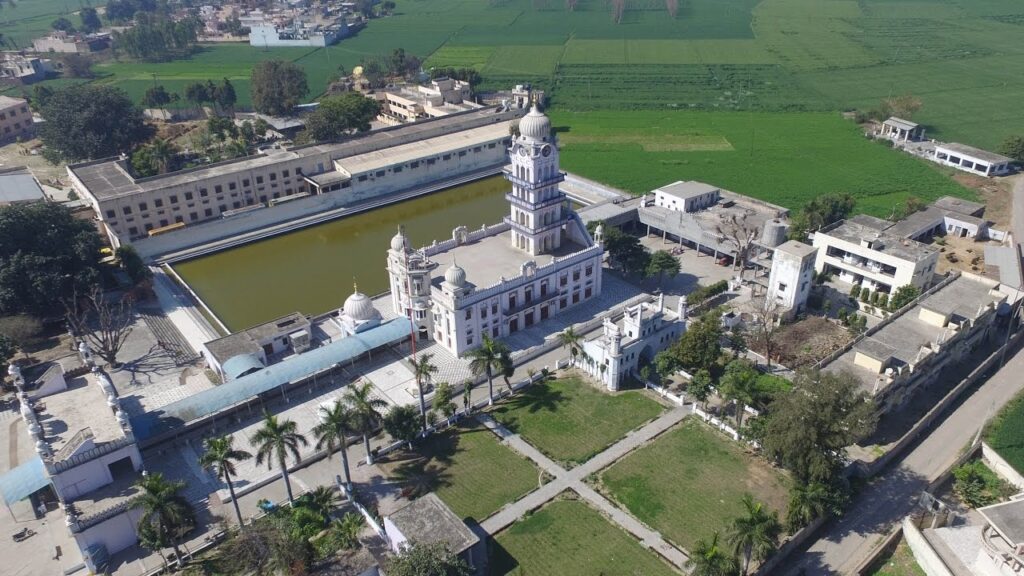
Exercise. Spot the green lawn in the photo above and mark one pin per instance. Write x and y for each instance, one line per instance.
(468, 469)
(689, 482)
(899, 562)
(568, 538)
(785, 158)
(1005, 434)
(570, 420)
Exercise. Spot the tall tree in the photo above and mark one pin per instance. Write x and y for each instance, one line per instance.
(166, 515)
(765, 325)
(662, 263)
(90, 19)
(1013, 147)
(62, 24)
(366, 414)
(443, 400)
(755, 535)
(808, 428)
(226, 97)
(277, 86)
(701, 344)
(427, 560)
(740, 232)
(220, 458)
(423, 370)
(572, 341)
(402, 423)
(197, 93)
(819, 212)
(739, 384)
(156, 97)
(338, 116)
(808, 502)
(710, 558)
(485, 359)
(275, 440)
(700, 386)
(89, 121)
(46, 256)
(104, 322)
(162, 153)
(332, 433)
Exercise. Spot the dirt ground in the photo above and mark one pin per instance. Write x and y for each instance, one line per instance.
(995, 194)
(803, 343)
(963, 254)
(19, 154)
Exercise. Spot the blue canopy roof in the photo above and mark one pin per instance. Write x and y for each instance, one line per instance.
(241, 364)
(22, 481)
(251, 385)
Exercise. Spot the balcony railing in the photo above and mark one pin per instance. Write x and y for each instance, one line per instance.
(553, 295)
(525, 229)
(73, 444)
(510, 174)
(863, 265)
(527, 205)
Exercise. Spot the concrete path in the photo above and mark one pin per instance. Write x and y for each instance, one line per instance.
(178, 308)
(892, 495)
(573, 479)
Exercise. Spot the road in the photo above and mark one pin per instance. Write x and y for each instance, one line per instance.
(890, 497)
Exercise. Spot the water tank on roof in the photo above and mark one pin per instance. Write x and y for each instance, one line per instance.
(774, 233)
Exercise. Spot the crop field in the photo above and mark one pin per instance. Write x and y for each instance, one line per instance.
(690, 481)
(568, 538)
(784, 158)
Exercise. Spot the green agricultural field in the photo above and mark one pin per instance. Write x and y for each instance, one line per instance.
(571, 420)
(784, 158)
(460, 467)
(568, 538)
(20, 22)
(1006, 431)
(689, 482)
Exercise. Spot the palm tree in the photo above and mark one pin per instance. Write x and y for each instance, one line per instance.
(422, 369)
(166, 514)
(276, 440)
(467, 397)
(808, 502)
(162, 153)
(710, 559)
(332, 433)
(220, 458)
(365, 412)
(485, 360)
(322, 500)
(755, 534)
(508, 369)
(739, 384)
(572, 341)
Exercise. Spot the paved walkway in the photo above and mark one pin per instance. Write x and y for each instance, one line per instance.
(178, 308)
(573, 479)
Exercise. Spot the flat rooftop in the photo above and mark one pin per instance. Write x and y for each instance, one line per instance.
(19, 187)
(105, 179)
(900, 123)
(488, 260)
(83, 405)
(404, 153)
(688, 189)
(976, 153)
(959, 205)
(427, 520)
(247, 341)
(7, 101)
(854, 231)
(1008, 519)
(796, 248)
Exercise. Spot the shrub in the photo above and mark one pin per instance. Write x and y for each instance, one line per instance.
(703, 293)
(977, 486)
(865, 295)
(855, 291)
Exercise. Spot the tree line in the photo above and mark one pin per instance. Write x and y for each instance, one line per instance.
(157, 39)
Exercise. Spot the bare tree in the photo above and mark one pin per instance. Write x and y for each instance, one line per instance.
(103, 322)
(765, 324)
(673, 8)
(618, 10)
(738, 231)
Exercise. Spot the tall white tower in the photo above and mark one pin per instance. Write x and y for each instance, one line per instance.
(409, 276)
(537, 203)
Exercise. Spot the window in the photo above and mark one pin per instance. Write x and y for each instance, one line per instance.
(273, 177)
(397, 169)
(110, 213)
(148, 226)
(263, 199)
(446, 157)
(415, 164)
(590, 269)
(208, 212)
(134, 231)
(259, 179)
(179, 219)
(431, 161)
(476, 149)
(469, 313)
(232, 185)
(284, 173)
(491, 145)
(127, 209)
(362, 178)
(462, 153)
(193, 216)
(469, 339)
(203, 192)
(236, 205)
(245, 182)
(174, 198)
(222, 208)
(188, 195)
(218, 189)
(163, 222)
(782, 286)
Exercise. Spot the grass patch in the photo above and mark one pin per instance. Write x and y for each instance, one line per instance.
(460, 465)
(570, 421)
(785, 158)
(689, 482)
(1006, 431)
(568, 538)
(899, 562)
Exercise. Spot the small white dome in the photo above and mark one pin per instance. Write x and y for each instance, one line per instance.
(359, 307)
(535, 125)
(398, 241)
(455, 276)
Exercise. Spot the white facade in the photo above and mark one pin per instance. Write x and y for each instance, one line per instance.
(15, 119)
(266, 34)
(973, 160)
(686, 196)
(859, 254)
(792, 275)
(506, 277)
(644, 330)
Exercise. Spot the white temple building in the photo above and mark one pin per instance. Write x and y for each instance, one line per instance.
(506, 277)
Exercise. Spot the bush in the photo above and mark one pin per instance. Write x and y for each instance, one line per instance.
(865, 295)
(855, 291)
(883, 300)
(703, 293)
(977, 486)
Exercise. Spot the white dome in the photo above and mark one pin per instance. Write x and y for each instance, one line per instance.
(359, 307)
(455, 276)
(398, 241)
(535, 125)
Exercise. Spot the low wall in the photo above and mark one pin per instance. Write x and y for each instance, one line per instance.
(926, 557)
(1001, 467)
(888, 544)
(792, 544)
